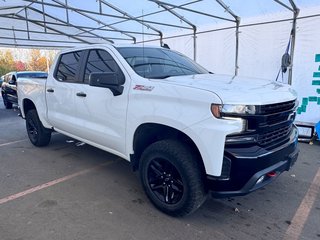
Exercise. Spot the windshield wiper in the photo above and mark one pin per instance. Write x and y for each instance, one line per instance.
(162, 77)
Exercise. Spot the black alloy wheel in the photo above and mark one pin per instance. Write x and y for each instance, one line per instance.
(165, 181)
(32, 129)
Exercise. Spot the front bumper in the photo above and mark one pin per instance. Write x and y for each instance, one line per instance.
(254, 167)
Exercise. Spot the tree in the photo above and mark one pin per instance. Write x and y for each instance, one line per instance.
(37, 62)
(20, 66)
(7, 63)
(51, 54)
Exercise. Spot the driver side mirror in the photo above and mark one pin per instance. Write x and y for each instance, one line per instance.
(109, 80)
(12, 82)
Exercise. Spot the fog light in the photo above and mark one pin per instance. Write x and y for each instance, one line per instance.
(260, 180)
(236, 139)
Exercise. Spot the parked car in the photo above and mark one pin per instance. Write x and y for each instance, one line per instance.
(189, 132)
(9, 85)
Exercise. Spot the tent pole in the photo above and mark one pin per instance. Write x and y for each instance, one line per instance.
(27, 22)
(195, 44)
(237, 47)
(292, 47)
(237, 20)
(183, 19)
(44, 17)
(67, 12)
(293, 38)
(142, 22)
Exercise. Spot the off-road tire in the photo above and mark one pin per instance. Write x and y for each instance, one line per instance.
(37, 133)
(187, 191)
(6, 103)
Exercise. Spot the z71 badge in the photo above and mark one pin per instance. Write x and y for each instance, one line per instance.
(143, 88)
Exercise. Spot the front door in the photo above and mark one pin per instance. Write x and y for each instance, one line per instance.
(101, 116)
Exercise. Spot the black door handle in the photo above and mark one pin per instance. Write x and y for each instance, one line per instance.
(50, 90)
(81, 94)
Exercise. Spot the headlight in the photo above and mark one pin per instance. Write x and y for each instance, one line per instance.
(238, 109)
(217, 109)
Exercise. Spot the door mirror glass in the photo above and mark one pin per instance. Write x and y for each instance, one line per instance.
(12, 82)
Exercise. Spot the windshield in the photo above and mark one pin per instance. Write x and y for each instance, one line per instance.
(32, 75)
(159, 62)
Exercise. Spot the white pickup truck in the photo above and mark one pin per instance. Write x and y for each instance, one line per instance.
(189, 132)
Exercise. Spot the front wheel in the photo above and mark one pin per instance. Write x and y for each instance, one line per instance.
(38, 134)
(172, 178)
(6, 103)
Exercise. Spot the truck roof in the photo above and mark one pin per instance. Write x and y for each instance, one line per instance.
(90, 46)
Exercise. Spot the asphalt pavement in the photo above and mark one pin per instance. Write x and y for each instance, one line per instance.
(72, 191)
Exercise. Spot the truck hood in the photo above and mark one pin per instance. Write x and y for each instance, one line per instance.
(237, 90)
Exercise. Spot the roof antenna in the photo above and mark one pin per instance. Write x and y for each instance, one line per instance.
(165, 46)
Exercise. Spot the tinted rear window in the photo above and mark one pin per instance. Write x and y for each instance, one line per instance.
(68, 66)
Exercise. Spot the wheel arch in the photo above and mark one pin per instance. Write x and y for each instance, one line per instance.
(148, 133)
(27, 105)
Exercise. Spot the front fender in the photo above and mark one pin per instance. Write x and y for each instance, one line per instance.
(174, 106)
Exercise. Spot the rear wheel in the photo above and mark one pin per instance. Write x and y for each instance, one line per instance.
(38, 134)
(6, 103)
(172, 178)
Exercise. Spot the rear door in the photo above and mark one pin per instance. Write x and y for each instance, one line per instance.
(61, 93)
(101, 116)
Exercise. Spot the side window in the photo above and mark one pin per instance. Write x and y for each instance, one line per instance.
(100, 61)
(68, 67)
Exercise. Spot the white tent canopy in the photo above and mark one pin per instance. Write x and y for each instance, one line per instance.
(64, 23)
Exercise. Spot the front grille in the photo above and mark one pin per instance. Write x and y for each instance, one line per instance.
(274, 136)
(279, 118)
(270, 126)
(277, 107)
(278, 122)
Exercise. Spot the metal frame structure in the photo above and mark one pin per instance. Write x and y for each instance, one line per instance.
(52, 26)
(295, 10)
